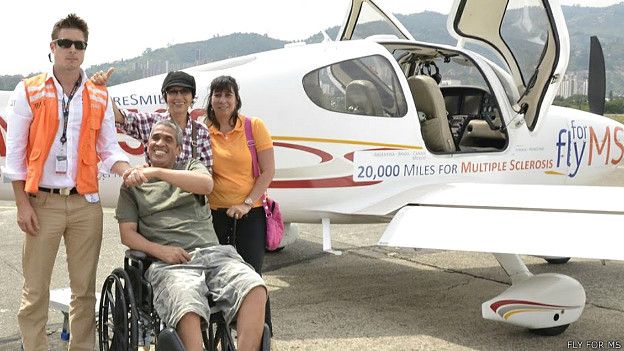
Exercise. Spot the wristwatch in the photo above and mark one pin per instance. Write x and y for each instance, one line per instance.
(249, 202)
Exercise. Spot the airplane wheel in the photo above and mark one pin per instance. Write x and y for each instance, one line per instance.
(552, 331)
(117, 315)
(557, 260)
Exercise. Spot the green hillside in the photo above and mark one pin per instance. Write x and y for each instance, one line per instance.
(606, 22)
(175, 57)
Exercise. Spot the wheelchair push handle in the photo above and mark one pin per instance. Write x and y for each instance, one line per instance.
(232, 234)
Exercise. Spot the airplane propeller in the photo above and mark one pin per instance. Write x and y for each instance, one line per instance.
(596, 80)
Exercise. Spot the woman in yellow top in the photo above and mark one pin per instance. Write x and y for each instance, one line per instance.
(236, 193)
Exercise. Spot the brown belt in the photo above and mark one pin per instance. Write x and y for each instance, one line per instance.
(60, 191)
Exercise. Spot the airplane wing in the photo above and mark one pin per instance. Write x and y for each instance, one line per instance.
(546, 220)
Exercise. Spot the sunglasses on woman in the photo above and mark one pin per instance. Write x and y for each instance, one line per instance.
(67, 43)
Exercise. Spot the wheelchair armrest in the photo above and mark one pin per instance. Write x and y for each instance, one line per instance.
(140, 256)
(136, 255)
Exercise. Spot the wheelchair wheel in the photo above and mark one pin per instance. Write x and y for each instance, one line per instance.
(218, 336)
(117, 327)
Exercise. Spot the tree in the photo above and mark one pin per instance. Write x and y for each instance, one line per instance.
(615, 106)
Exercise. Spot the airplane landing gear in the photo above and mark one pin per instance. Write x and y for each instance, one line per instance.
(546, 303)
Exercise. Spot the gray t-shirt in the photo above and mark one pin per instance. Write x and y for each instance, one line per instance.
(166, 214)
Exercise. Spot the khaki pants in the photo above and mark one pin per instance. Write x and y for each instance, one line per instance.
(80, 224)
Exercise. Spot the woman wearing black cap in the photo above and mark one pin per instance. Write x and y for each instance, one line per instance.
(178, 90)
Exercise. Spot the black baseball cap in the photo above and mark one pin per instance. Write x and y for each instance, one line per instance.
(178, 79)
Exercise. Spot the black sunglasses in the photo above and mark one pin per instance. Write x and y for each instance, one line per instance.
(67, 43)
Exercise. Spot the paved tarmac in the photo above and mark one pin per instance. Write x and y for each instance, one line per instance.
(370, 297)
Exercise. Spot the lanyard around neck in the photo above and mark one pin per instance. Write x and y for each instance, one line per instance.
(66, 109)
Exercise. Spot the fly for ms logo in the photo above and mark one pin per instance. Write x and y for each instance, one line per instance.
(582, 144)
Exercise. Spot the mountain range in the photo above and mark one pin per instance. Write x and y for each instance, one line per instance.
(605, 22)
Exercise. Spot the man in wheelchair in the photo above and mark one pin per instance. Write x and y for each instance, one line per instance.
(162, 212)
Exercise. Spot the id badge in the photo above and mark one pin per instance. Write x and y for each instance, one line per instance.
(61, 164)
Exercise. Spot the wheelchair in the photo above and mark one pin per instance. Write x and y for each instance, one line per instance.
(127, 319)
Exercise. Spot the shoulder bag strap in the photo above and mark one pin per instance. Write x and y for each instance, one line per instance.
(251, 144)
(193, 138)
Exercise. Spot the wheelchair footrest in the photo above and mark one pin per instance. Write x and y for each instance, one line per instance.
(168, 340)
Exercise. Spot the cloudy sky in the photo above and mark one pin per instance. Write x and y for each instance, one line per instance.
(124, 29)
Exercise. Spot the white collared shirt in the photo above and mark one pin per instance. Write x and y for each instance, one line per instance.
(19, 118)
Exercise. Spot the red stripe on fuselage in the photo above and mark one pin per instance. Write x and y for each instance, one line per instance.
(3, 125)
(320, 153)
(336, 182)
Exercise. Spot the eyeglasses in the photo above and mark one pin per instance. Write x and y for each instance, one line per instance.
(176, 91)
(67, 43)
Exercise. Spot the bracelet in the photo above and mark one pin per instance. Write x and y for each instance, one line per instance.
(249, 202)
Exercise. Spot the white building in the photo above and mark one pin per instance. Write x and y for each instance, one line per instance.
(574, 83)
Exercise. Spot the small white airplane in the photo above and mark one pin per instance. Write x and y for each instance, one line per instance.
(455, 150)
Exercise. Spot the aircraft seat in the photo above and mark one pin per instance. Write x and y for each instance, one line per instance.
(429, 100)
(362, 97)
(315, 93)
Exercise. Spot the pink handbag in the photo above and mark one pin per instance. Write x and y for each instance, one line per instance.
(274, 223)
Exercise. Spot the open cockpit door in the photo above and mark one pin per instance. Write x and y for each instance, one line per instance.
(366, 19)
(531, 38)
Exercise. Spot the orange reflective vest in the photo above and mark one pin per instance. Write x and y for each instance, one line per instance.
(43, 101)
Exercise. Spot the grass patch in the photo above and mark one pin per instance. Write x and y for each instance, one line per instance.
(619, 118)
